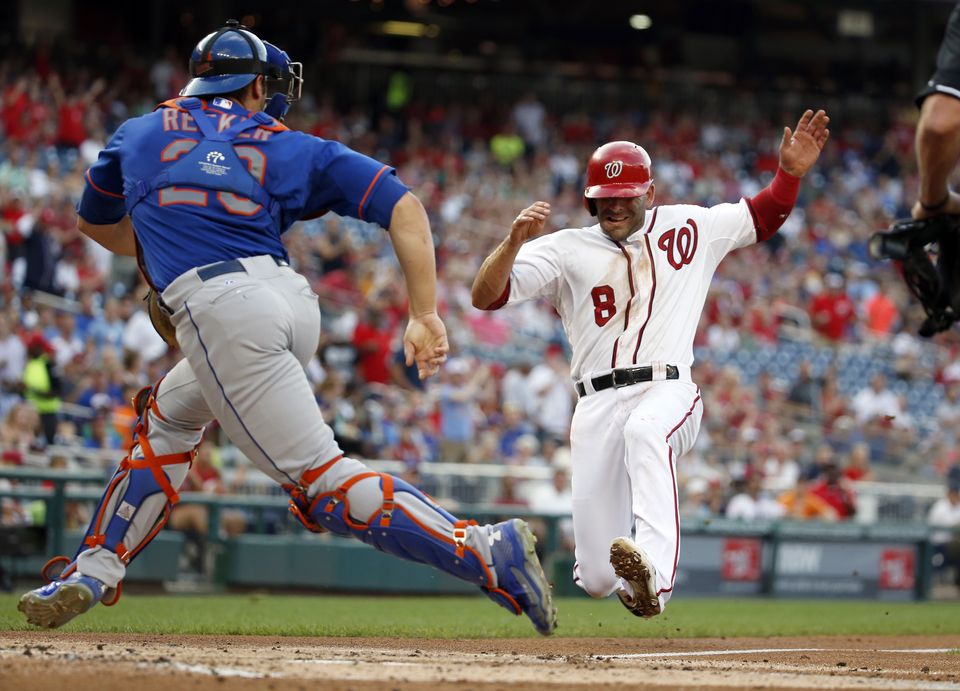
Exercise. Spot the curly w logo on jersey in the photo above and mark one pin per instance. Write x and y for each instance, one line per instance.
(680, 245)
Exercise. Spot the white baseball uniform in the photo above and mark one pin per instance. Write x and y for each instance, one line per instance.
(630, 304)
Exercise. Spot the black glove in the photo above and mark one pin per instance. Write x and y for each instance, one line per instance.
(936, 286)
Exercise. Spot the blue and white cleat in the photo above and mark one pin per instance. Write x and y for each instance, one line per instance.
(522, 587)
(58, 602)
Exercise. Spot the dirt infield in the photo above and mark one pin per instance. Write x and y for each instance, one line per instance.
(51, 661)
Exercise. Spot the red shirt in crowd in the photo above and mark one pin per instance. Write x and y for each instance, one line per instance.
(838, 496)
(373, 348)
(831, 314)
(71, 130)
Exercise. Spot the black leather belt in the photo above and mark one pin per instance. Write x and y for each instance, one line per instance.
(619, 378)
(229, 267)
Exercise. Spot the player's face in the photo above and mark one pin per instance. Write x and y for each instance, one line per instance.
(620, 217)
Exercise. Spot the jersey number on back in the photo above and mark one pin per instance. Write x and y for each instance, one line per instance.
(603, 304)
(233, 203)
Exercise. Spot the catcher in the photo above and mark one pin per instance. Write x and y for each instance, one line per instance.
(936, 213)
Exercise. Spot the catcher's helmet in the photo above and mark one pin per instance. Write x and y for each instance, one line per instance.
(617, 169)
(227, 60)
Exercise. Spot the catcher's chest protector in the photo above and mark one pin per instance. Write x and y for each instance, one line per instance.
(211, 165)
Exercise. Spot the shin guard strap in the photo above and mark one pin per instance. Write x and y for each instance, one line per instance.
(386, 513)
(460, 536)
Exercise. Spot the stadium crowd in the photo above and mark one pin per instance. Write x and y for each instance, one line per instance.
(790, 438)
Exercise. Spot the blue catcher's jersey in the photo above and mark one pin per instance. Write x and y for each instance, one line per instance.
(195, 200)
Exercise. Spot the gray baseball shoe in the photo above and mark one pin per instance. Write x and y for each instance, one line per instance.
(633, 565)
(58, 602)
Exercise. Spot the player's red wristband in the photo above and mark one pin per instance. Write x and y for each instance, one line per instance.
(771, 206)
(785, 187)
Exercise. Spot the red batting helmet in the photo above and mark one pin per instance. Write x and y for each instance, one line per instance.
(617, 169)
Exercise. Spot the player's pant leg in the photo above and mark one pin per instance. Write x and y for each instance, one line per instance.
(248, 340)
(601, 489)
(662, 426)
(183, 414)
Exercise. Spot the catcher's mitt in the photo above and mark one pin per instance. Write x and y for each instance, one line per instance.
(160, 318)
(937, 286)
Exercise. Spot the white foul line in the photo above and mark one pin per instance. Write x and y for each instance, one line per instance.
(755, 651)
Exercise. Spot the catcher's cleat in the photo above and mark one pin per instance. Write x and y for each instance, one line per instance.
(633, 565)
(58, 602)
(522, 586)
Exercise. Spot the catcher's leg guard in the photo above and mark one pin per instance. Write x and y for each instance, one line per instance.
(394, 517)
(345, 497)
(136, 503)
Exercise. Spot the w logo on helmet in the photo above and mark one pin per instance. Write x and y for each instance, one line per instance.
(613, 169)
(680, 245)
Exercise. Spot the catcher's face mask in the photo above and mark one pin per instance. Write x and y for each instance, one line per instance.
(284, 82)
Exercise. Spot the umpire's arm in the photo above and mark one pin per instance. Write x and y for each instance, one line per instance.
(938, 148)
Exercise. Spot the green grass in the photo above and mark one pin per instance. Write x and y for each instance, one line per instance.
(469, 617)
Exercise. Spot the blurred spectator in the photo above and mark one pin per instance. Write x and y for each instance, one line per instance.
(832, 488)
(752, 503)
(456, 401)
(804, 396)
(372, 338)
(876, 404)
(411, 448)
(13, 360)
(508, 494)
(66, 343)
(140, 337)
(555, 498)
(20, 433)
(832, 310)
(694, 499)
(857, 468)
(800, 504)
(944, 518)
(106, 329)
(193, 519)
(515, 426)
(552, 394)
(42, 385)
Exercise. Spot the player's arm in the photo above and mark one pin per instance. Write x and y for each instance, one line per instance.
(425, 340)
(491, 287)
(799, 150)
(102, 214)
(938, 149)
(117, 237)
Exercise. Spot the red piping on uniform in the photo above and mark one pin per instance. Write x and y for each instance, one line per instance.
(676, 502)
(626, 313)
(653, 290)
(100, 189)
(367, 193)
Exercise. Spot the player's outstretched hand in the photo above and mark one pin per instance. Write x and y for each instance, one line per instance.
(425, 342)
(529, 222)
(800, 149)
